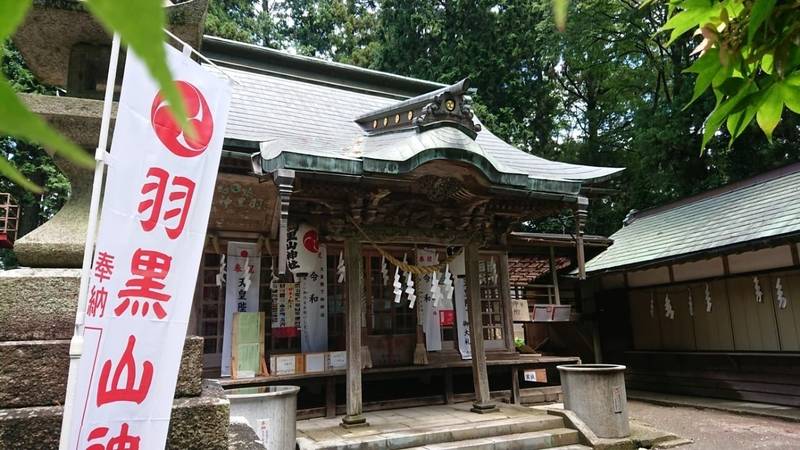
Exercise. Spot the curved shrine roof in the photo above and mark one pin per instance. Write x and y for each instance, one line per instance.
(302, 112)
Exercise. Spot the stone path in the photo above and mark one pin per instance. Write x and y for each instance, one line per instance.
(718, 430)
(734, 406)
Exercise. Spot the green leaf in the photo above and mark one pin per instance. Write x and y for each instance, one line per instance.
(140, 25)
(741, 116)
(694, 14)
(759, 12)
(17, 121)
(11, 172)
(560, 8)
(721, 112)
(769, 113)
(706, 68)
(791, 97)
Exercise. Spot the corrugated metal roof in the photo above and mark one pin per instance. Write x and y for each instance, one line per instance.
(766, 207)
(300, 115)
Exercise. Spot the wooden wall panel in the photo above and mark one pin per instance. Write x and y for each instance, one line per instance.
(788, 318)
(754, 326)
(646, 329)
(676, 333)
(712, 329)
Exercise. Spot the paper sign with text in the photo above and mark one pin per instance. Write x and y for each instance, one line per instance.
(151, 233)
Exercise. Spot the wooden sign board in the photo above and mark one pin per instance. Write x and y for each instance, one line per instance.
(337, 360)
(535, 375)
(241, 203)
(315, 362)
(552, 313)
(247, 345)
(519, 310)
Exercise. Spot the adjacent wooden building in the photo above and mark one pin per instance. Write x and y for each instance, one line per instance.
(702, 296)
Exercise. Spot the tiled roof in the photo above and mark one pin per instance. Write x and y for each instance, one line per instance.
(523, 270)
(764, 207)
(292, 114)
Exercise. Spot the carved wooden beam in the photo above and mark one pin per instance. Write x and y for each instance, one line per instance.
(284, 180)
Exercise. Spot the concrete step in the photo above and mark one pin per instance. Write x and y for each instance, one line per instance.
(423, 436)
(535, 440)
(571, 447)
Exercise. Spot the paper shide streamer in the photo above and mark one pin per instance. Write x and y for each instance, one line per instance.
(779, 294)
(340, 269)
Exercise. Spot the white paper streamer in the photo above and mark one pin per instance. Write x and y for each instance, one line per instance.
(669, 313)
(340, 269)
(691, 303)
(781, 297)
(757, 287)
(708, 299)
(436, 294)
(412, 298)
(397, 284)
(652, 305)
(448, 284)
(384, 270)
(223, 267)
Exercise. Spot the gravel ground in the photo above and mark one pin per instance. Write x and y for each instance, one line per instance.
(717, 430)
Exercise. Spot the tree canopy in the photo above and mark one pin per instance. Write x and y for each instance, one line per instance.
(611, 89)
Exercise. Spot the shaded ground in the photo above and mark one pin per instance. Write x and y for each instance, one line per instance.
(717, 430)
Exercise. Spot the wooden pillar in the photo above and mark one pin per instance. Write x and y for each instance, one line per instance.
(480, 377)
(330, 398)
(554, 274)
(449, 395)
(581, 212)
(505, 296)
(515, 395)
(353, 263)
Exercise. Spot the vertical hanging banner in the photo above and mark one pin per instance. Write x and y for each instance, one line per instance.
(151, 233)
(285, 323)
(243, 279)
(462, 324)
(430, 312)
(314, 304)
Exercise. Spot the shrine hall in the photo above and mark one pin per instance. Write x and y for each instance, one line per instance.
(369, 239)
(383, 214)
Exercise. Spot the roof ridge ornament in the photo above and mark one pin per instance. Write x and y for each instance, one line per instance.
(449, 106)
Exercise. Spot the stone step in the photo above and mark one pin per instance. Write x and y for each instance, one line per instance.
(572, 447)
(34, 373)
(195, 423)
(422, 436)
(534, 440)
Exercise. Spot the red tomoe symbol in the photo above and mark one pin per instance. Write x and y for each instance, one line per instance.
(168, 130)
(311, 241)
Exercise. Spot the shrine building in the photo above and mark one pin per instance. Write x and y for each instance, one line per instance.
(699, 297)
(370, 218)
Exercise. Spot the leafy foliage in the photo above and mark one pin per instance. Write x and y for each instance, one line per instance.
(610, 90)
(750, 59)
(31, 161)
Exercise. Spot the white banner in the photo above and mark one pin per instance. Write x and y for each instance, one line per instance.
(241, 291)
(151, 233)
(462, 319)
(314, 304)
(430, 313)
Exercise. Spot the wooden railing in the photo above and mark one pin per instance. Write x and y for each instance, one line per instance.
(9, 220)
